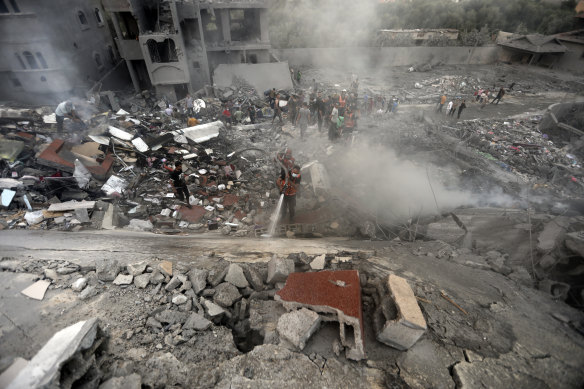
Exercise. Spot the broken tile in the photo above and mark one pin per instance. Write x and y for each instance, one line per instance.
(37, 290)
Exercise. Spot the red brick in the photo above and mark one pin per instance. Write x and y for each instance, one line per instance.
(193, 214)
(229, 200)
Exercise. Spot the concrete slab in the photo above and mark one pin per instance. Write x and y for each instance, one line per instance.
(202, 132)
(336, 294)
(405, 330)
(261, 76)
(37, 290)
(43, 370)
(7, 196)
(10, 374)
(71, 206)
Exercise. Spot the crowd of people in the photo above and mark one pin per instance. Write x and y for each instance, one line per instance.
(481, 97)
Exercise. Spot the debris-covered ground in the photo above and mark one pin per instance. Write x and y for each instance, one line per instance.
(481, 217)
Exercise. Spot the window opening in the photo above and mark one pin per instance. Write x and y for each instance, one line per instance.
(82, 18)
(32, 63)
(42, 60)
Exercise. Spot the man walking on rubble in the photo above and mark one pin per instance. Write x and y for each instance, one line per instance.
(289, 188)
(449, 107)
(277, 110)
(499, 96)
(65, 110)
(460, 108)
(320, 110)
(189, 106)
(303, 118)
(179, 182)
(333, 125)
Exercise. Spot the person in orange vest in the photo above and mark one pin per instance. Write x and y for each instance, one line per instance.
(350, 121)
(441, 103)
(289, 189)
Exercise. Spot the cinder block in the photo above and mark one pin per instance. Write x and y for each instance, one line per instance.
(403, 331)
(298, 326)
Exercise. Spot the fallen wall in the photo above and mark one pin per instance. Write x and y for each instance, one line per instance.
(357, 57)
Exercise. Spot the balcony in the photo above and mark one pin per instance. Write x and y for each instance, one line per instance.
(116, 5)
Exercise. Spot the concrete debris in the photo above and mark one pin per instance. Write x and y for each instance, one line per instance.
(107, 269)
(123, 279)
(79, 284)
(226, 294)
(198, 279)
(132, 381)
(235, 276)
(196, 322)
(318, 262)
(75, 345)
(403, 331)
(298, 326)
(37, 290)
(141, 281)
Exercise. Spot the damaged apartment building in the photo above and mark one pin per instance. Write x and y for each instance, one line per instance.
(175, 46)
(52, 49)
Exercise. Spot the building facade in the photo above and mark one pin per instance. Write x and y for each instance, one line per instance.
(52, 49)
(174, 45)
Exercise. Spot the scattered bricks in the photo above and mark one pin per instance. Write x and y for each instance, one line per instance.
(165, 267)
(198, 278)
(226, 294)
(229, 200)
(196, 322)
(235, 276)
(279, 269)
(193, 214)
(253, 278)
(173, 284)
(337, 294)
(298, 326)
(107, 269)
(123, 279)
(318, 262)
(409, 325)
(136, 269)
(141, 281)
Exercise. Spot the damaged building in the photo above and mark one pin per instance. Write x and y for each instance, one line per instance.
(174, 46)
(49, 50)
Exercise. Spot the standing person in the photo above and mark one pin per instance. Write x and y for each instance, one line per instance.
(350, 122)
(277, 110)
(292, 108)
(238, 115)
(65, 110)
(462, 106)
(179, 182)
(189, 106)
(394, 105)
(251, 111)
(342, 102)
(298, 76)
(303, 118)
(272, 97)
(499, 96)
(441, 103)
(484, 99)
(314, 86)
(449, 107)
(479, 94)
(226, 115)
(320, 110)
(334, 118)
(453, 109)
(289, 188)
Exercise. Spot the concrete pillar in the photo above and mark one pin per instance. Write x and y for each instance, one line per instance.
(264, 28)
(225, 26)
(131, 70)
(133, 75)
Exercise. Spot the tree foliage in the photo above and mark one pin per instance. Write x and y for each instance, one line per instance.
(330, 23)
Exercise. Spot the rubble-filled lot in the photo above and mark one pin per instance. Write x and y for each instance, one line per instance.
(465, 289)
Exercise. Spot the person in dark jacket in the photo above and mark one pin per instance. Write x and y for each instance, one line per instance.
(178, 182)
(289, 189)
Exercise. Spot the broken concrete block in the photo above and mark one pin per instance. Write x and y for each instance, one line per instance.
(213, 310)
(196, 322)
(123, 279)
(33, 218)
(45, 369)
(71, 205)
(552, 234)
(226, 294)
(279, 269)
(114, 184)
(337, 294)
(142, 280)
(7, 196)
(132, 381)
(88, 293)
(136, 269)
(140, 225)
(37, 290)
(253, 278)
(198, 278)
(318, 262)
(171, 317)
(179, 299)
(156, 277)
(298, 326)
(79, 284)
(235, 276)
(107, 269)
(405, 330)
(12, 371)
(173, 284)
